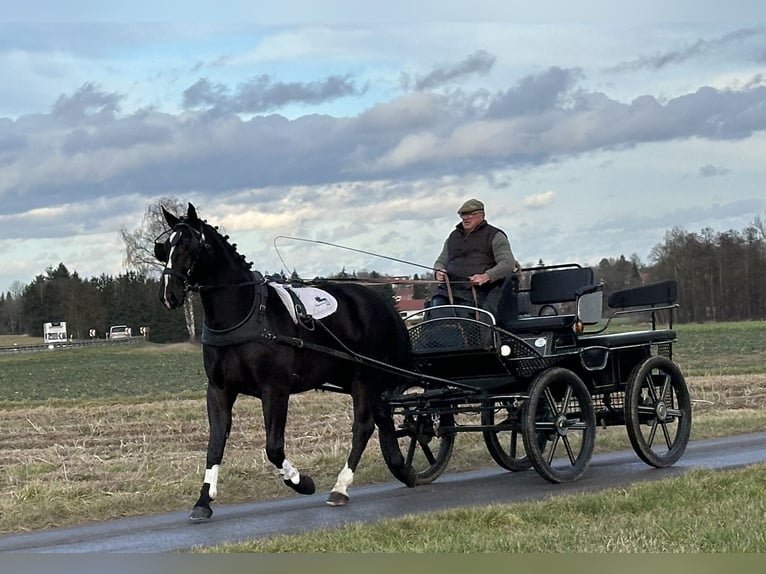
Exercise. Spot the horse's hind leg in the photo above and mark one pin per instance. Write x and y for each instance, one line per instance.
(219, 406)
(362, 430)
(274, 405)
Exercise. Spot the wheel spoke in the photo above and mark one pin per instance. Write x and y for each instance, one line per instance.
(410, 452)
(570, 453)
(566, 399)
(551, 402)
(552, 452)
(545, 426)
(649, 380)
(512, 445)
(427, 452)
(652, 432)
(668, 438)
(577, 425)
(645, 409)
(666, 387)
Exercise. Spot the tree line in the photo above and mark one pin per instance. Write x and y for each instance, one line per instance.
(721, 277)
(90, 304)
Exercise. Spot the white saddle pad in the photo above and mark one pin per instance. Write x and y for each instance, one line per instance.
(318, 304)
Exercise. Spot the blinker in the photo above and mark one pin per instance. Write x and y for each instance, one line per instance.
(162, 248)
(161, 251)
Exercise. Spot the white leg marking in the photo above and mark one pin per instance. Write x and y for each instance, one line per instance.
(345, 478)
(289, 472)
(211, 478)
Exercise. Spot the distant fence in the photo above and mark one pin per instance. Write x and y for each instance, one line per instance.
(69, 345)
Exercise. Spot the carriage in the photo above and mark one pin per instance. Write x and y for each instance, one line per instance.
(536, 378)
(538, 383)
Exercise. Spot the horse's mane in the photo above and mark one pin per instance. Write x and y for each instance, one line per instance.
(211, 233)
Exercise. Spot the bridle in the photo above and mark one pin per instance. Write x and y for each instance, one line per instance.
(199, 244)
(162, 250)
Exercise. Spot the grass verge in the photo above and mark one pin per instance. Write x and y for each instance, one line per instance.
(700, 511)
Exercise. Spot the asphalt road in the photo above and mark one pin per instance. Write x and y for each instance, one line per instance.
(172, 532)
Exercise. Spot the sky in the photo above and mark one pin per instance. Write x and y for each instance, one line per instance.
(588, 129)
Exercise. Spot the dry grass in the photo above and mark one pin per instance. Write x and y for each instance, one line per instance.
(64, 464)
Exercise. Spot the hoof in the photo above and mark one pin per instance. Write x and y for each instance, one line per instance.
(200, 514)
(337, 499)
(411, 479)
(305, 486)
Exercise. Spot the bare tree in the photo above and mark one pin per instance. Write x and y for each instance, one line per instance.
(139, 249)
(139, 244)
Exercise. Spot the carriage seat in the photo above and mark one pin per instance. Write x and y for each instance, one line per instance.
(661, 293)
(547, 287)
(616, 340)
(645, 298)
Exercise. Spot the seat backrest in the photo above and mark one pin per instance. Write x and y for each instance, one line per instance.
(558, 285)
(659, 293)
(508, 305)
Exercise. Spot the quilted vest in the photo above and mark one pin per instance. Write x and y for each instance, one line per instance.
(471, 253)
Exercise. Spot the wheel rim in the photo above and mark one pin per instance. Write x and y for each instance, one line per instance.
(658, 412)
(560, 407)
(505, 445)
(424, 448)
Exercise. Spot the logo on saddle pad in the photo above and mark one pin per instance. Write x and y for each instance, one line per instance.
(315, 302)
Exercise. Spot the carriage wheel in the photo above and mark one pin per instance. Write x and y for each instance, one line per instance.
(419, 438)
(505, 444)
(561, 408)
(658, 411)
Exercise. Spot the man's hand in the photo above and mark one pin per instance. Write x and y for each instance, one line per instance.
(479, 279)
(441, 275)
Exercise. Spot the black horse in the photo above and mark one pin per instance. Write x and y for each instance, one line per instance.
(252, 344)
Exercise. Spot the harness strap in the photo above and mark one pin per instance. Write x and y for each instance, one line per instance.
(300, 310)
(475, 299)
(350, 355)
(449, 289)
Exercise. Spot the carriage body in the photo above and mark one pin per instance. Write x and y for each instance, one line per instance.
(538, 383)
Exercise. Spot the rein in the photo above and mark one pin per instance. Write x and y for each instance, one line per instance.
(263, 331)
(197, 287)
(349, 355)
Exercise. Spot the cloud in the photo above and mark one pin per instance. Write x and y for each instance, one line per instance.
(535, 93)
(691, 217)
(84, 148)
(480, 62)
(538, 200)
(87, 102)
(699, 48)
(262, 94)
(709, 170)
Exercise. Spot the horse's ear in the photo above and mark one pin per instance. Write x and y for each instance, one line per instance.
(191, 213)
(169, 217)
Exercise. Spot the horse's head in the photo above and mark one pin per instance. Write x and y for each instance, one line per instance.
(179, 249)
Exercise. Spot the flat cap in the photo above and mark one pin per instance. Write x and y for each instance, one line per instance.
(471, 205)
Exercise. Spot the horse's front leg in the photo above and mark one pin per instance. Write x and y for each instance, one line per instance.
(362, 430)
(219, 407)
(274, 406)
